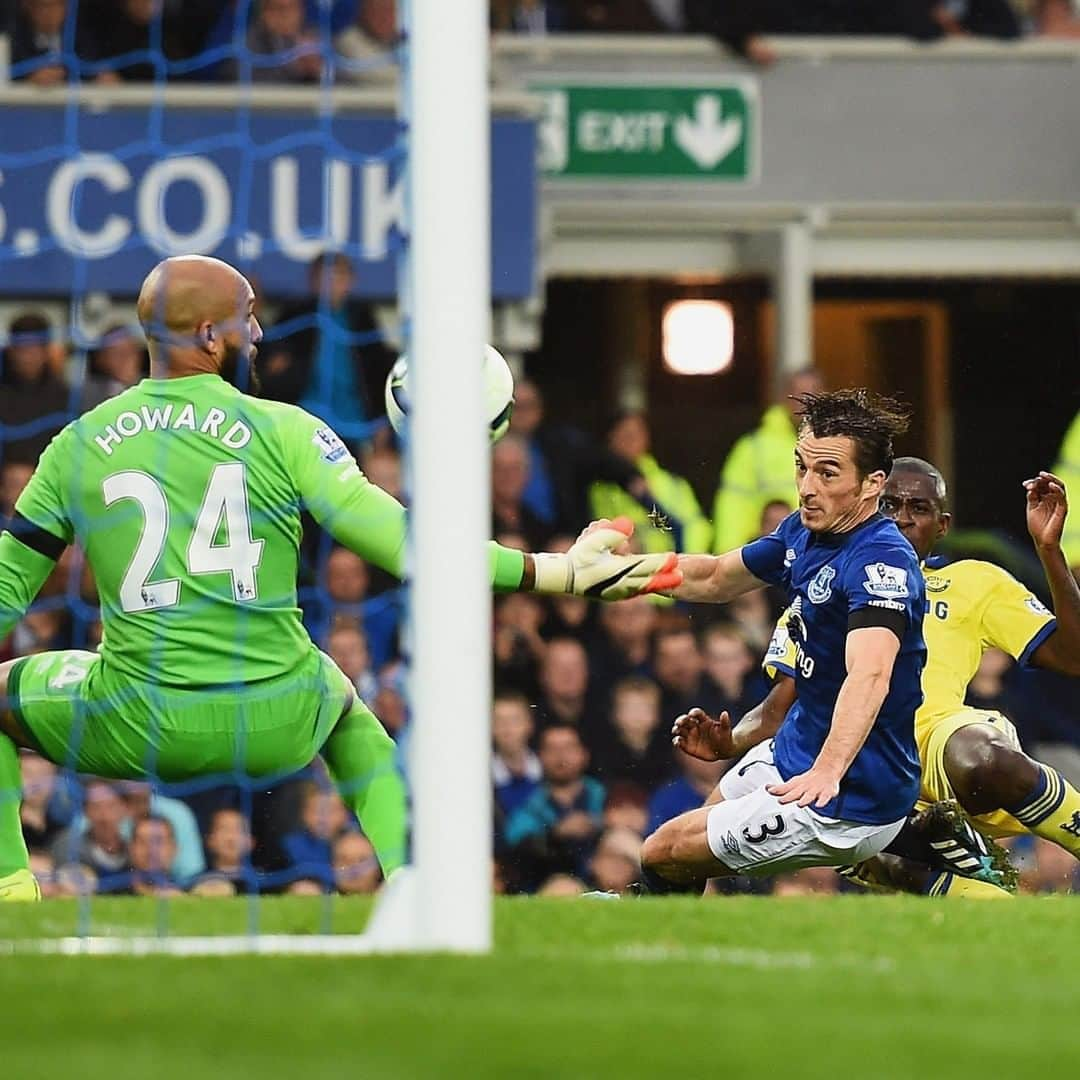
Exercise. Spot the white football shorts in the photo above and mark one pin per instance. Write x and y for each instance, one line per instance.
(752, 832)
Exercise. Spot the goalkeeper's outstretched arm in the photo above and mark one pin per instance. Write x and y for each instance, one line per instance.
(372, 523)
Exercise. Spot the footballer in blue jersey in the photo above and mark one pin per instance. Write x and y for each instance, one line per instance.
(838, 781)
(837, 582)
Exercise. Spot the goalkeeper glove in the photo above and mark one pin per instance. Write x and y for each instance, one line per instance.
(592, 568)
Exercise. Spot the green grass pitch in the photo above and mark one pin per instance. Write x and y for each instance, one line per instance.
(802, 988)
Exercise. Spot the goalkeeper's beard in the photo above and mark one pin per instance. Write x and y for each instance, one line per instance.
(243, 377)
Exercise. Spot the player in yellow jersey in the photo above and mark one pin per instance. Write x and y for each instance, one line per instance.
(970, 755)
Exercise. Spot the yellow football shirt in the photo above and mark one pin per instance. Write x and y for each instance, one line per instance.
(971, 606)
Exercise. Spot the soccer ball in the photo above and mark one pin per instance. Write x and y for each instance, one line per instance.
(498, 393)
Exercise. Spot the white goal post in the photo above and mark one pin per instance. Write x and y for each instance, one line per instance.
(448, 297)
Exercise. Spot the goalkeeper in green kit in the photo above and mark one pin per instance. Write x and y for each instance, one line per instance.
(186, 494)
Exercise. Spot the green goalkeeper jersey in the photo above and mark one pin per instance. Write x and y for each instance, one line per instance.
(186, 496)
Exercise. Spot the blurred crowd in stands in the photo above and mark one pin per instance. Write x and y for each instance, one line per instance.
(585, 694)
(306, 41)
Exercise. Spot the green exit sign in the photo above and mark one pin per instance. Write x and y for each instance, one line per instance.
(696, 132)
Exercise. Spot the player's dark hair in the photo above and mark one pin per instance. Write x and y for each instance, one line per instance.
(924, 468)
(870, 420)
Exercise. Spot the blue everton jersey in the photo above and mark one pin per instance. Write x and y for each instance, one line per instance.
(828, 577)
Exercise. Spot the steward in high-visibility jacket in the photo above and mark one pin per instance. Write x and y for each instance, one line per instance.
(759, 470)
(669, 518)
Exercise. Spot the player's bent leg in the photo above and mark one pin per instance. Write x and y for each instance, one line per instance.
(989, 773)
(678, 858)
(16, 881)
(893, 873)
(361, 758)
(9, 725)
(985, 771)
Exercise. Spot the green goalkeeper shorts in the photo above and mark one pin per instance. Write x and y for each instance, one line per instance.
(81, 714)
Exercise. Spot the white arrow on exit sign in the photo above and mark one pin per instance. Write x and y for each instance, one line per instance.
(708, 138)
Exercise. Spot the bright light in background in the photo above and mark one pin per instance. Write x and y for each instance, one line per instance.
(698, 336)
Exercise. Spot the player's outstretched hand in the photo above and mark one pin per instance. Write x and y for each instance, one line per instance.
(815, 787)
(696, 733)
(598, 566)
(1047, 508)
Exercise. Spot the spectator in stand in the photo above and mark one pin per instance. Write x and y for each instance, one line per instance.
(228, 848)
(811, 881)
(515, 770)
(31, 390)
(529, 16)
(389, 704)
(772, 516)
(132, 29)
(39, 36)
(518, 646)
(627, 807)
(14, 476)
(366, 48)
(40, 826)
(1044, 706)
(687, 791)
(141, 801)
(323, 819)
(680, 670)
(44, 869)
(153, 852)
(1045, 868)
(561, 885)
(1057, 19)
(317, 364)
(673, 521)
(356, 870)
(119, 362)
(347, 646)
(636, 747)
(623, 644)
(1068, 469)
(587, 16)
(734, 682)
(563, 463)
(97, 839)
(43, 629)
(555, 829)
(744, 27)
(755, 617)
(281, 31)
(382, 466)
(509, 479)
(564, 686)
(760, 468)
(928, 20)
(615, 864)
(346, 585)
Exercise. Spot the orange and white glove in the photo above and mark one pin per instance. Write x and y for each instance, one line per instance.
(594, 568)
